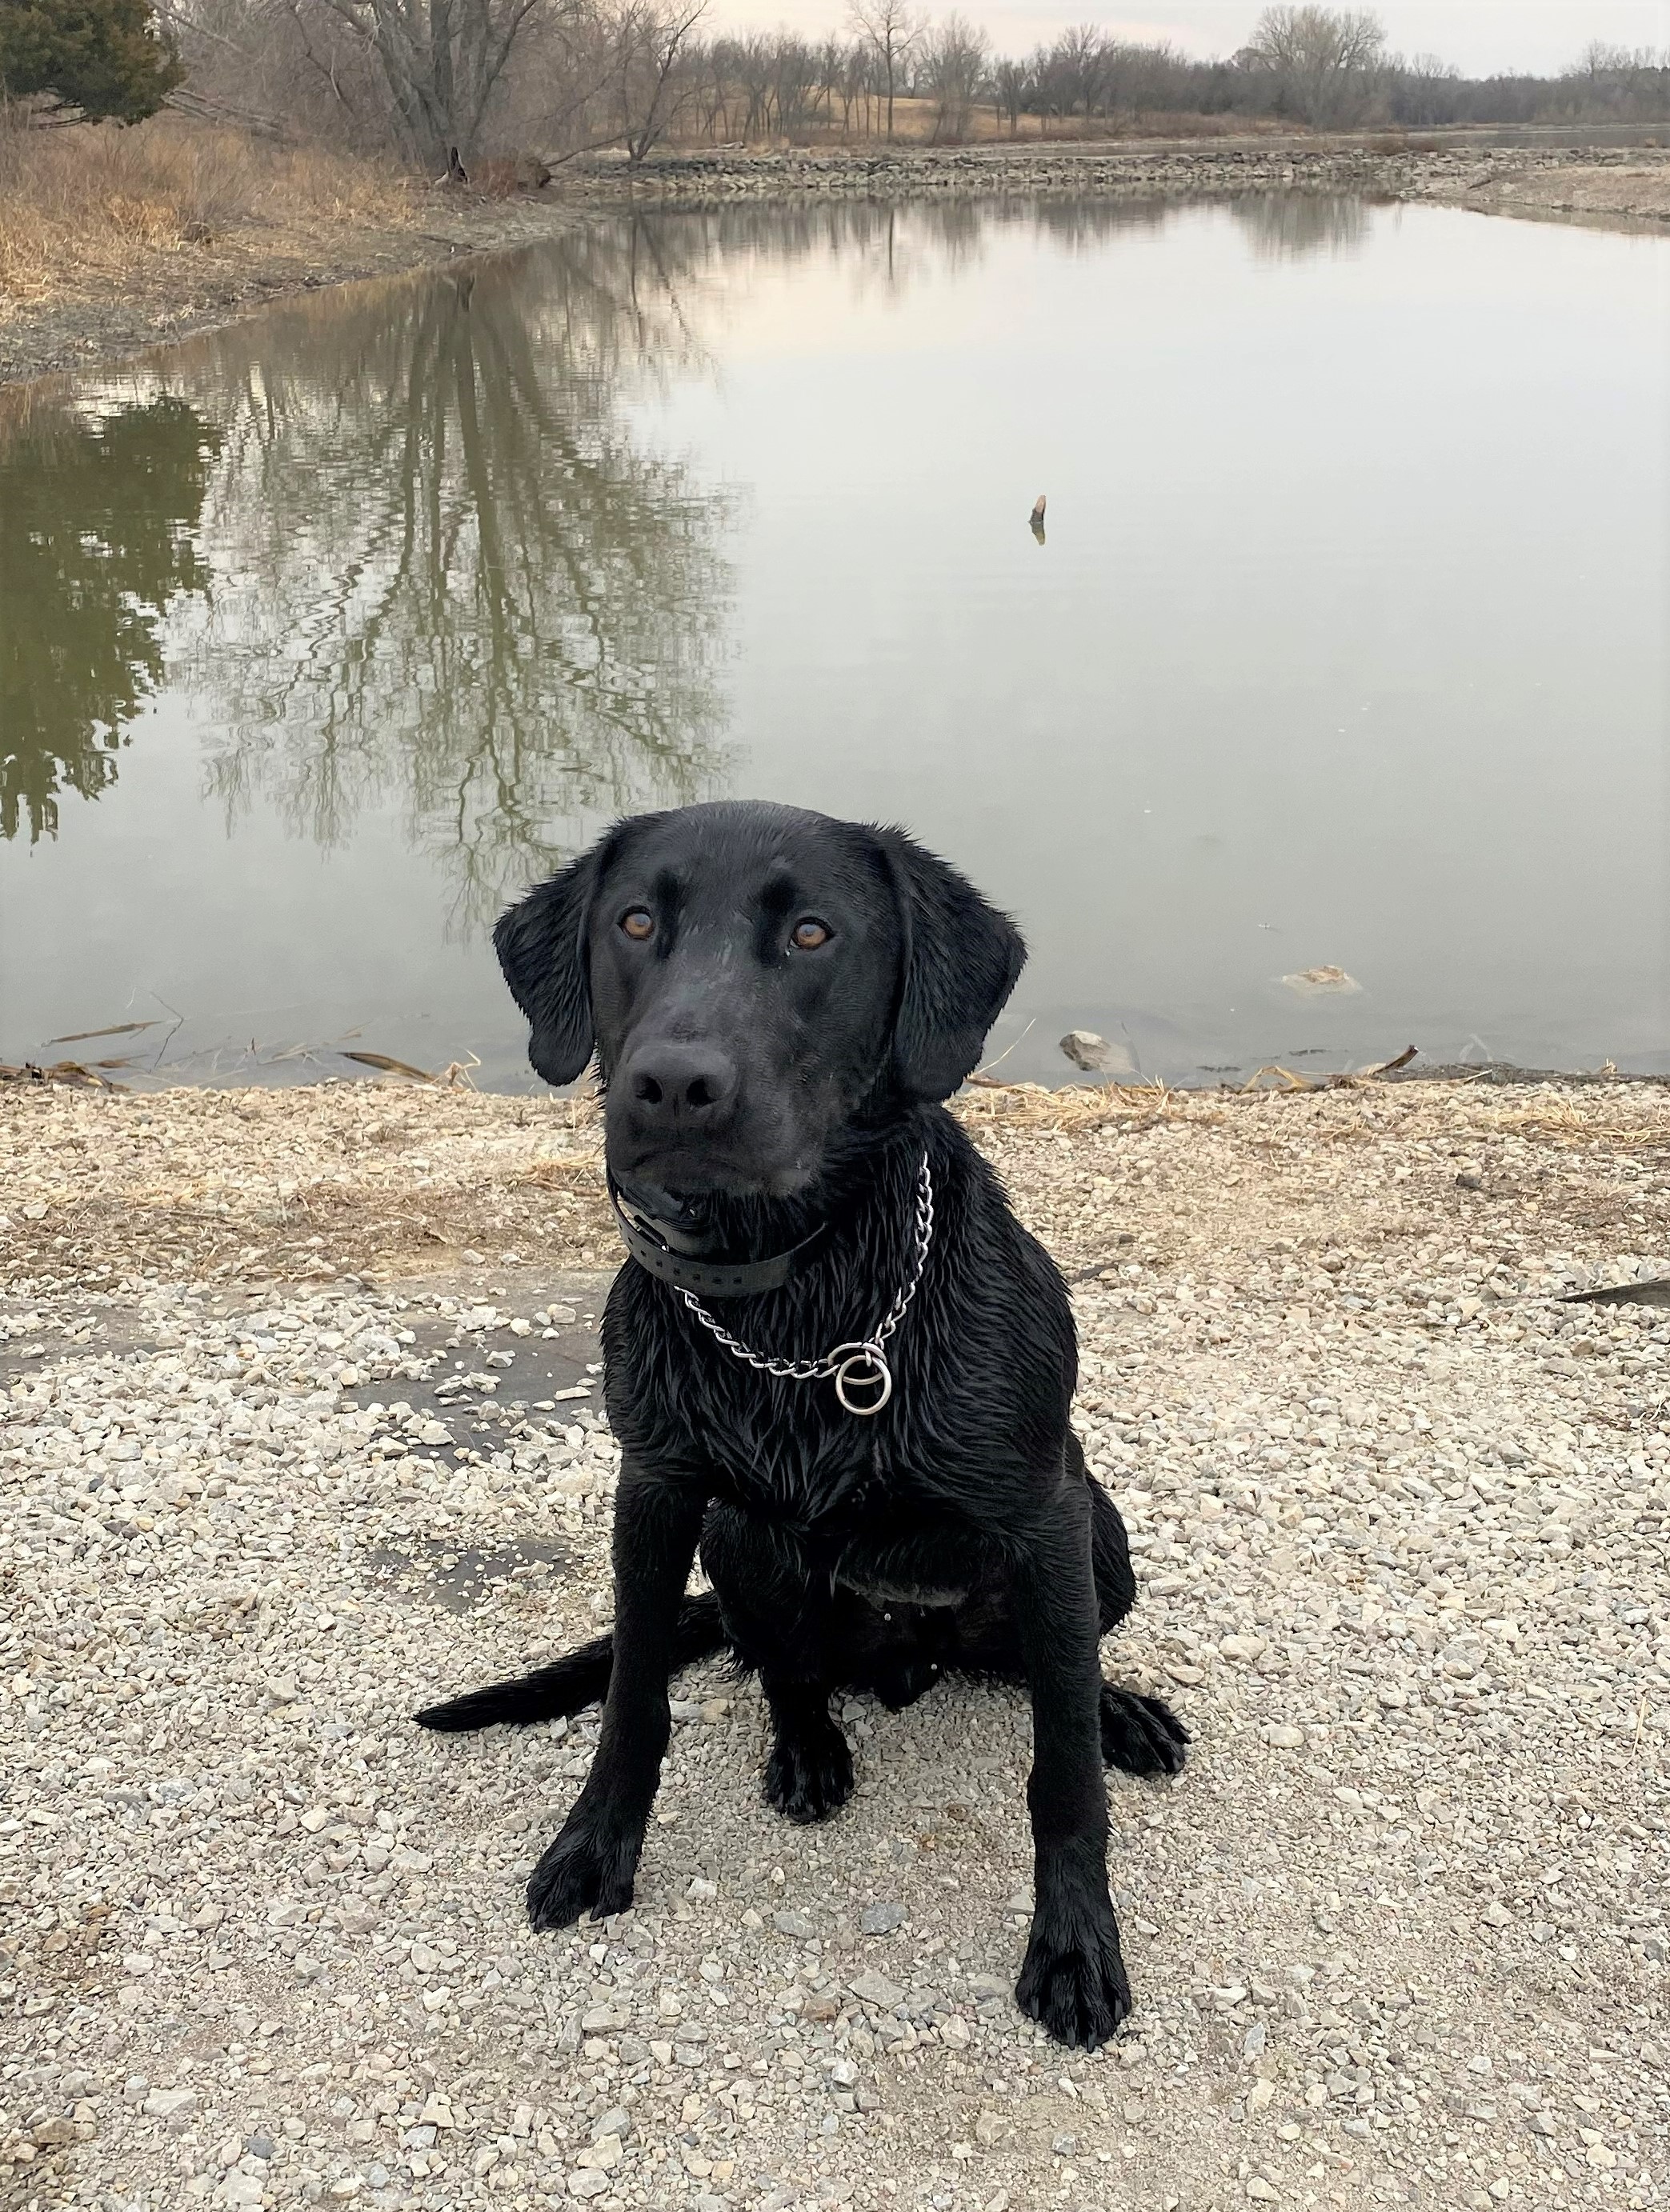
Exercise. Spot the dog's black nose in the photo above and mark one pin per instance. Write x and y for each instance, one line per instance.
(679, 1085)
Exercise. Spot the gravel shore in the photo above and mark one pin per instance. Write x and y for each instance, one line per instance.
(298, 1427)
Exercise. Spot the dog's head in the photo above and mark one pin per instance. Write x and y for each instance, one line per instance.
(754, 980)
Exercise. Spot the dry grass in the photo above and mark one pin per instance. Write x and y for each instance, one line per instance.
(1077, 1107)
(1073, 1107)
(391, 1178)
(1642, 1124)
(503, 176)
(917, 123)
(1625, 1117)
(96, 203)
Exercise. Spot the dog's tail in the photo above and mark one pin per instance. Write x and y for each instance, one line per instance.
(571, 1684)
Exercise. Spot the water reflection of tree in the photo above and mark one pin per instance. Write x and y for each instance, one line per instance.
(96, 522)
(453, 575)
(1289, 226)
(892, 243)
(449, 573)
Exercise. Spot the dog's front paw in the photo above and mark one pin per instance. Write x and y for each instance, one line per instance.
(1139, 1734)
(589, 1869)
(808, 1775)
(1073, 1981)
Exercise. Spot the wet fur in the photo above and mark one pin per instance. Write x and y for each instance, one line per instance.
(957, 1532)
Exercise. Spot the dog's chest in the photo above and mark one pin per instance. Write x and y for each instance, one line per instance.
(836, 1479)
(784, 1449)
(807, 1474)
(921, 1559)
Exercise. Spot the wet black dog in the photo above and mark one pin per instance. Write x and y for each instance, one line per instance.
(779, 1004)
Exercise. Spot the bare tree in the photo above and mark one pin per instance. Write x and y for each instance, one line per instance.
(793, 77)
(1012, 82)
(1083, 53)
(654, 75)
(830, 73)
(1601, 58)
(1423, 89)
(1140, 79)
(1321, 58)
(1632, 85)
(440, 61)
(856, 83)
(891, 29)
(956, 57)
(748, 68)
(1071, 77)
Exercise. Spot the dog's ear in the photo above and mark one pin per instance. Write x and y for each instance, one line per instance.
(960, 960)
(542, 948)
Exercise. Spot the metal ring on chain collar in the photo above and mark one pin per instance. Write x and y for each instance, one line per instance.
(853, 1365)
(864, 1367)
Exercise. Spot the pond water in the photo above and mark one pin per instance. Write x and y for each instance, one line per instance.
(1345, 648)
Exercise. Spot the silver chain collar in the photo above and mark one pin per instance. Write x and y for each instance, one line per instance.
(860, 1366)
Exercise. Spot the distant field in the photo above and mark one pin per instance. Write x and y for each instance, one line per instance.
(917, 122)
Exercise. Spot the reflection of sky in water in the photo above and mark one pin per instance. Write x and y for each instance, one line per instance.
(1346, 645)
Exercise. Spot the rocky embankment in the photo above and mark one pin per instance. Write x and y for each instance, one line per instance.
(1631, 182)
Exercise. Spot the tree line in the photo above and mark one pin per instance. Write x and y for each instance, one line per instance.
(441, 83)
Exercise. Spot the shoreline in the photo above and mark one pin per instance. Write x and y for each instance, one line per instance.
(198, 289)
(1628, 184)
(195, 291)
(287, 1183)
(1072, 1098)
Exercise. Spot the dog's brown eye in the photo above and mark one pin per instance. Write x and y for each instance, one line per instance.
(808, 933)
(639, 924)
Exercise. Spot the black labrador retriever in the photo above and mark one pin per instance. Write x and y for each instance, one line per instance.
(840, 1368)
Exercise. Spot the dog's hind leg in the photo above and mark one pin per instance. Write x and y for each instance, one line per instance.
(808, 1769)
(1139, 1734)
(1110, 1549)
(778, 1620)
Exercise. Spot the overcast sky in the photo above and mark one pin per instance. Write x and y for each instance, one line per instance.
(1480, 36)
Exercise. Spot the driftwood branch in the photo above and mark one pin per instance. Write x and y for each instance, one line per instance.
(203, 109)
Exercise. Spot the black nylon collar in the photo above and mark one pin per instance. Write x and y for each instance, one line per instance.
(711, 1279)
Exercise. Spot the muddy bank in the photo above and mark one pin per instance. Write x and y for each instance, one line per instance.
(182, 293)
